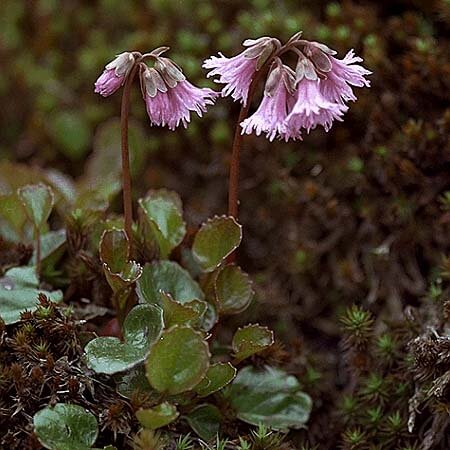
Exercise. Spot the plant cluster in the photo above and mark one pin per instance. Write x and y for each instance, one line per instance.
(161, 362)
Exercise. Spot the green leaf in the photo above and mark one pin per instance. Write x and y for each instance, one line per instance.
(114, 249)
(251, 339)
(105, 159)
(51, 243)
(157, 417)
(142, 326)
(122, 281)
(216, 239)
(120, 273)
(133, 381)
(205, 421)
(65, 427)
(14, 176)
(210, 318)
(168, 277)
(233, 290)
(71, 132)
(162, 210)
(19, 292)
(178, 361)
(102, 173)
(176, 313)
(38, 202)
(13, 211)
(217, 377)
(270, 397)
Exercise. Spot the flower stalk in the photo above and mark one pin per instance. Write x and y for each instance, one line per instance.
(313, 94)
(233, 182)
(169, 98)
(126, 175)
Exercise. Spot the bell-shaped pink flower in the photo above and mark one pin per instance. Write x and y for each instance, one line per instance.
(169, 97)
(277, 101)
(311, 108)
(114, 75)
(237, 72)
(342, 75)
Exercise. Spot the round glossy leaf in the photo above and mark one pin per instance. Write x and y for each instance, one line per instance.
(176, 313)
(38, 201)
(65, 427)
(132, 381)
(19, 292)
(205, 421)
(216, 239)
(233, 290)
(210, 318)
(168, 277)
(178, 361)
(270, 397)
(124, 279)
(157, 417)
(217, 377)
(163, 211)
(142, 326)
(250, 340)
(114, 249)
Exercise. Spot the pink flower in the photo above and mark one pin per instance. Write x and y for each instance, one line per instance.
(311, 108)
(275, 105)
(344, 74)
(237, 72)
(169, 97)
(114, 74)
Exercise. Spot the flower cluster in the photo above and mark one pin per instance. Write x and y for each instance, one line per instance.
(314, 94)
(168, 96)
(237, 73)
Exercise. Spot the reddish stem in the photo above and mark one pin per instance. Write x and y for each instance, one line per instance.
(126, 176)
(233, 186)
(233, 183)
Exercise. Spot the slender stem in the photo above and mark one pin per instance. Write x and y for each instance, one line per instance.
(38, 250)
(126, 176)
(233, 184)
